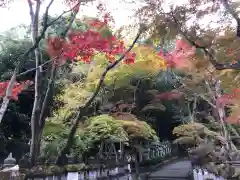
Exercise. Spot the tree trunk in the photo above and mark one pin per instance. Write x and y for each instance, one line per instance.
(35, 146)
(34, 152)
(41, 116)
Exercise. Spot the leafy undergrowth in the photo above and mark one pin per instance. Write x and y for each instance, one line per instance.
(96, 130)
(104, 127)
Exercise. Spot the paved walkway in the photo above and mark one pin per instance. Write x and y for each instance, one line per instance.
(177, 170)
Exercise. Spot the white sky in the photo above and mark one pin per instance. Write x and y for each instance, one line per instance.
(18, 12)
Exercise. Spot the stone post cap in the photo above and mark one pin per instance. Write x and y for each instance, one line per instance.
(9, 161)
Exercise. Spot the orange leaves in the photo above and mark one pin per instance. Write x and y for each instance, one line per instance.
(110, 57)
(130, 57)
(97, 23)
(18, 88)
(55, 46)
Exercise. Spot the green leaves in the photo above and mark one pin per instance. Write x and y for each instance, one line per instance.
(104, 127)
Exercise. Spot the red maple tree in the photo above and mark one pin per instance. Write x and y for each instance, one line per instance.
(80, 46)
(84, 45)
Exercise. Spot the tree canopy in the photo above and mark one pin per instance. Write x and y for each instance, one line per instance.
(75, 83)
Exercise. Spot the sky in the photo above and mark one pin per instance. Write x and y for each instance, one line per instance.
(18, 12)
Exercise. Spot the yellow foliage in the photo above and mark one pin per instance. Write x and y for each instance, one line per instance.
(74, 95)
(187, 133)
(138, 129)
(134, 129)
(147, 63)
(148, 59)
(189, 129)
(192, 129)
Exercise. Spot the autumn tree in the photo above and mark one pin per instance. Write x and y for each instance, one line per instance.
(216, 45)
(215, 58)
(80, 46)
(11, 89)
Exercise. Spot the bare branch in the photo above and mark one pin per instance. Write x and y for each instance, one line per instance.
(63, 13)
(33, 69)
(82, 110)
(24, 56)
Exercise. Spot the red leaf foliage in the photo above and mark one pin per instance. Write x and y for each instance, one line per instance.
(227, 99)
(232, 99)
(84, 45)
(169, 95)
(178, 58)
(79, 46)
(18, 87)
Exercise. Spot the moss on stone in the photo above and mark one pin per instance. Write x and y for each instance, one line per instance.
(48, 170)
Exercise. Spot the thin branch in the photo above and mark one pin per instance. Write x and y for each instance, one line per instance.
(234, 131)
(64, 12)
(45, 22)
(24, 56)
(211, 57)
(64, 33)
(198, 94)
(233, 14)
(192, 113)
(33, 69)
(21, 60)
(82, 110)
(52, 77)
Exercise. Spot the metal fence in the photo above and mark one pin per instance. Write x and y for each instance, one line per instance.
(121, 171)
